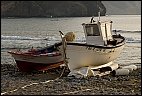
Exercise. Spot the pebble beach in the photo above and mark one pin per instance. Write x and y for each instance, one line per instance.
(14, 82)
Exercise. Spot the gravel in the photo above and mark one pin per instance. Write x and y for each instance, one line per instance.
(14, 82)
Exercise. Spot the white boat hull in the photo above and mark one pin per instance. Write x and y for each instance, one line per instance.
(83, 56)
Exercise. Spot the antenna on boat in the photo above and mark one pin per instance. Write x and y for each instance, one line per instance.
(99, 15)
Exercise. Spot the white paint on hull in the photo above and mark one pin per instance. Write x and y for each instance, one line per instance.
(83, 56)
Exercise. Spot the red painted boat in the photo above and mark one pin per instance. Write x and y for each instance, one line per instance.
(38, 59)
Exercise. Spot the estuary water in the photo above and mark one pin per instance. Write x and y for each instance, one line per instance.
(25, 33)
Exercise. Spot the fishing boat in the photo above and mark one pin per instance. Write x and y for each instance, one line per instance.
(100, 49)
(37, 59)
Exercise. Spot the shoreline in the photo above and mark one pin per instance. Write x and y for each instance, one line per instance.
(14, 82)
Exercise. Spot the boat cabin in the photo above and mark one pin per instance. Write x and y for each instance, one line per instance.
(98, 33)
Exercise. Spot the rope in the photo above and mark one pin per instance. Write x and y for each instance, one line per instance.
(65, 59)
(64, 48)
(34, 84)
(77, 91)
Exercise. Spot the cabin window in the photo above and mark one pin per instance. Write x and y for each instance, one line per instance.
(92, 30)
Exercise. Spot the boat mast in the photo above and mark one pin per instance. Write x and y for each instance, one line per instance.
(99, 14)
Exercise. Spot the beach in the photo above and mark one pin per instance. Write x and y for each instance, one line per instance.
(14, 82)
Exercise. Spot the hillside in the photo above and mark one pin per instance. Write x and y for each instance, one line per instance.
(122, 7)
(51, 8)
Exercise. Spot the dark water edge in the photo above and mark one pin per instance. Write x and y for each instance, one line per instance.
(25, 17)
(124, 31)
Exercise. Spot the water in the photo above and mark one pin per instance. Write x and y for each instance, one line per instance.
(27, 32)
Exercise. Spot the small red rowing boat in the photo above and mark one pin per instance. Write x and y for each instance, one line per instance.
(38, 59)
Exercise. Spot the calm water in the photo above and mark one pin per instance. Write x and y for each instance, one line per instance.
(27, 32)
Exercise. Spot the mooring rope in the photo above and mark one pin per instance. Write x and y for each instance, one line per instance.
(35, 83)
(27, 86)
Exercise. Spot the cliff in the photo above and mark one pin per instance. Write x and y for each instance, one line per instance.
(51, 8)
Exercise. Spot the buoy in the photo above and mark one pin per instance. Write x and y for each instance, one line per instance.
(130, 67)
(120, 72)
